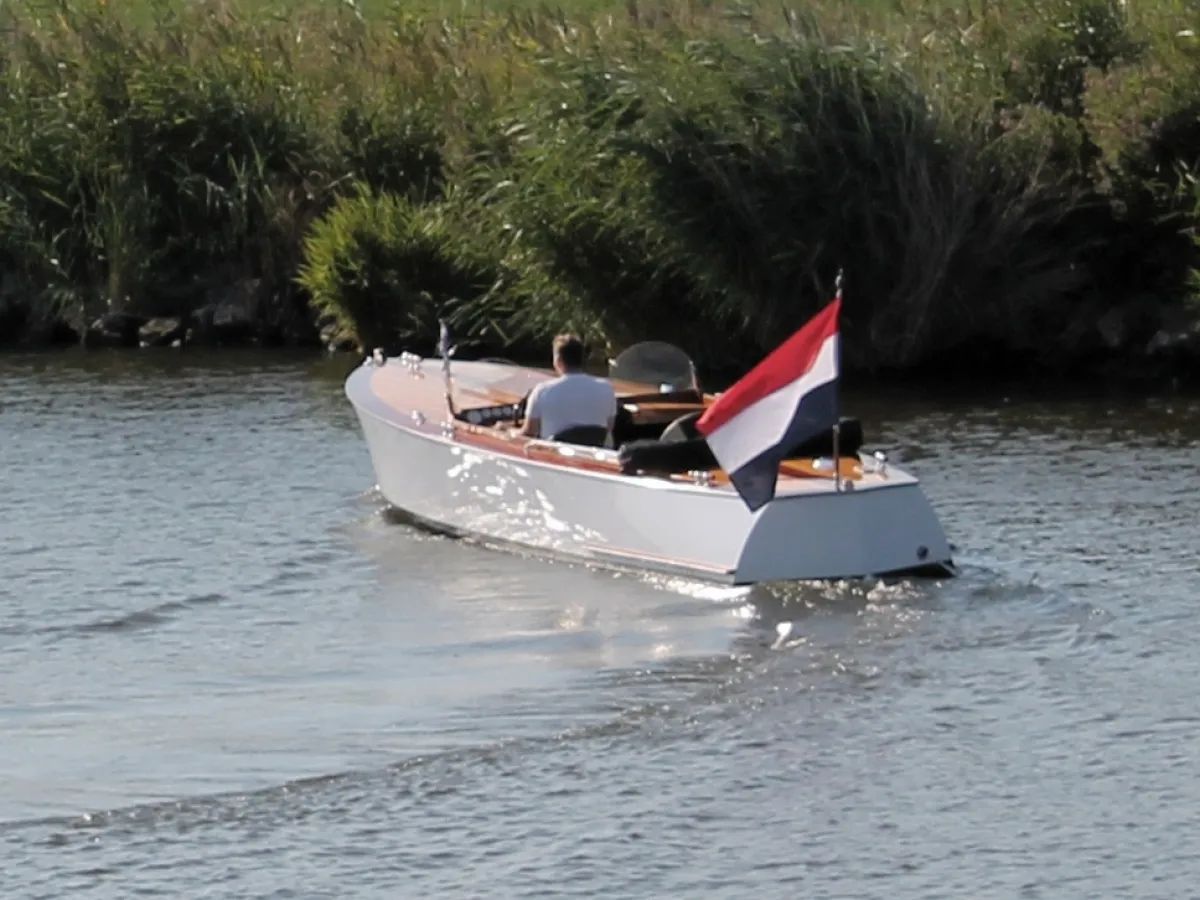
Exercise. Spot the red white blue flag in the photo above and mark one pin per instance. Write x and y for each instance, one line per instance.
(787, 398)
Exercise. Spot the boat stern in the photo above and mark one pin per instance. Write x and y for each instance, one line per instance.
(879, 531)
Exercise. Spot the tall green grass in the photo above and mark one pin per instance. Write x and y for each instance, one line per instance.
(1000, 182)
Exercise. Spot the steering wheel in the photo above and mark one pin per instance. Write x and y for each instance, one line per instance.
(682, 428)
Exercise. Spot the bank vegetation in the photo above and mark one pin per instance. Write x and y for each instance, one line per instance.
(1007, 187)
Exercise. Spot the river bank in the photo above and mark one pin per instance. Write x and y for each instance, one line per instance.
(1006, 190)
(1168, 363)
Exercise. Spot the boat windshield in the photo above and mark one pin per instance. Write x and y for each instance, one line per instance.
(656, 364)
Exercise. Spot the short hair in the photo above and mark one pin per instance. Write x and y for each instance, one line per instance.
(569, 348)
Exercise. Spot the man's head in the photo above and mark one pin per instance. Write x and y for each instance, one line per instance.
(568, 353)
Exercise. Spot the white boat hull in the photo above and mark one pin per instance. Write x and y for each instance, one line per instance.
(883, 526)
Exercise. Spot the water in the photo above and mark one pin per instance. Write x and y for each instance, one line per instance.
(224, 673)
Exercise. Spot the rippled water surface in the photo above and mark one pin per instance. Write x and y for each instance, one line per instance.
(225, 673)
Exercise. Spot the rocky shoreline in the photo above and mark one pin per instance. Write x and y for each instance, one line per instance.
(236, 317)
(1140, 344)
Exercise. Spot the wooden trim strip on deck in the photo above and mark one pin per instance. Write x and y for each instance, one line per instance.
(397, 389)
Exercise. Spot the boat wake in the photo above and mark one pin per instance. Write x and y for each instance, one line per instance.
(117, 622)
(761, 609)
(860, 641)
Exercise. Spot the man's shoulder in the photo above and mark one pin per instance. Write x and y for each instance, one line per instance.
(593, 384)
(576, 382)
(597, 381)
(548, 385)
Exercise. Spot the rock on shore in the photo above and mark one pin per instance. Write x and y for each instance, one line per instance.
(236, 316)
(1141, 341)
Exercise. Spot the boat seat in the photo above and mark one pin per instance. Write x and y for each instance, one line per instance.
(624, 429)
(656, 457)
(683, 453)
(584, 435)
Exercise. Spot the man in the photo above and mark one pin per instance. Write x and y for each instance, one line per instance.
(574, 398)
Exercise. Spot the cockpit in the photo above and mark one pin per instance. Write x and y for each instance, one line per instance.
(659, 401)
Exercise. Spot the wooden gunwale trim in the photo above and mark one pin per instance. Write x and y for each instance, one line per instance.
(517, 447)
(427, 398)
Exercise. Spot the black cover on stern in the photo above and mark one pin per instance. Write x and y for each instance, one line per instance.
(850, 441)
(665, 458)
(656, 457)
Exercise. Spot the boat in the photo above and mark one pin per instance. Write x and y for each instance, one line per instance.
(648, 497)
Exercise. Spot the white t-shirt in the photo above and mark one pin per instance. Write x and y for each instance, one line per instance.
(572, 399)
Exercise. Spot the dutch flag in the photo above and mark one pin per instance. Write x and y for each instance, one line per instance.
(787, 398)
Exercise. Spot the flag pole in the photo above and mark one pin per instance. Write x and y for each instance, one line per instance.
(446, 352)
(837, 405)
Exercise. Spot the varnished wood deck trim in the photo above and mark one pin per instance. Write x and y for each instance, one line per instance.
(403, 392)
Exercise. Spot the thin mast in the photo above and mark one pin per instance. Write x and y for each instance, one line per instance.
(446, 352)
(837, 387)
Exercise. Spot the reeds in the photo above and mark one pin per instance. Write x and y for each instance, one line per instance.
(993, 178)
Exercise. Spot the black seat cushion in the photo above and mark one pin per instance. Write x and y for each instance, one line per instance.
(684, 454)
(585, 435)
(663, 458)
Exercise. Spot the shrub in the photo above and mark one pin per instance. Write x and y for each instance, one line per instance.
(386, 269)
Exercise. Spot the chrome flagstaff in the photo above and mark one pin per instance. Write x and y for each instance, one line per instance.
(446, 351)
(837, 407)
